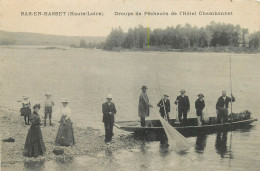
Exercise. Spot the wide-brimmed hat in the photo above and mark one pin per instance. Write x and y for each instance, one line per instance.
(25, 97)
(165, 95)
(109, 96)
(37, 106)
(144, 87)
(47, 94)
(64, 101)
(182, 90)
(200, 94)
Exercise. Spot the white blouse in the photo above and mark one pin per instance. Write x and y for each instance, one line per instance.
(26, 103)
(66, 112)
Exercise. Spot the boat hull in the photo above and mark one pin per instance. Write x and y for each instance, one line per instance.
(134, 126)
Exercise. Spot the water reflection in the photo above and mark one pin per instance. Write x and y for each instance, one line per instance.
(201, 142)
(34, 165)
(64, 163)
(221, 145)
(145, 157)
(109, 153)
(164, 147)
(109, 162)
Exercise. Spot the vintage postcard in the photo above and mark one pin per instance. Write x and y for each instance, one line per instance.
(130, 85)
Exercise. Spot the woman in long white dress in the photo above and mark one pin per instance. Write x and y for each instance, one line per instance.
(65, 135)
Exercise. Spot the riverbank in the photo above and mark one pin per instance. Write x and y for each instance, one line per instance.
(221, 49)
(89, 141)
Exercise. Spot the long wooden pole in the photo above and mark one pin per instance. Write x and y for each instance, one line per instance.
(230, 74)
(230, 62)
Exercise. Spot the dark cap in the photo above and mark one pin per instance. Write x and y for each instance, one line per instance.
(37, 106)
(200, 95)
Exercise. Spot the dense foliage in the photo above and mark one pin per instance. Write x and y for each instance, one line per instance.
(183, 37)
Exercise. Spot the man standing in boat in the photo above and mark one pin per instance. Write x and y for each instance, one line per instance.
(164, 105)
(222, 107)
(200, 105)
(109, 110)
(143, 107)
(183, 103)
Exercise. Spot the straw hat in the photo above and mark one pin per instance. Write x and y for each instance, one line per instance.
(64, 101)
(47, 94)
(144, 87)
(25, 97)
(109, 96)
(182, 91)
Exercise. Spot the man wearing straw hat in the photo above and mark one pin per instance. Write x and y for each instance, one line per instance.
(199, 105)
(183, 106)
(222, 107)
(109, 110)
(165, 106)
(48, 108)
(143, 107)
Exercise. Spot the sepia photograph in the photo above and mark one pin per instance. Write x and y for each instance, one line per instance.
(130, 85)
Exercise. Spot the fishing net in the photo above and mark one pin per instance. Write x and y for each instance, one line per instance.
(176, 141)
(244, 115)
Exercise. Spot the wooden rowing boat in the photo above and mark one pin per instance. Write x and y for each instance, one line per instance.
(190, 128)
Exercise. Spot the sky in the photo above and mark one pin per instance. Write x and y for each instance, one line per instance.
(245, 13)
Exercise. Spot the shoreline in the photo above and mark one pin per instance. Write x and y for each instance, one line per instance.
(222, 49)
(89, 141)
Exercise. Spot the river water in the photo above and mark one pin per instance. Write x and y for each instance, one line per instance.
(86, 76)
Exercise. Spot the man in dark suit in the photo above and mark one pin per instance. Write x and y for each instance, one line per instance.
(165, 106)
(183, 106)
(222, 107)
(109, 110)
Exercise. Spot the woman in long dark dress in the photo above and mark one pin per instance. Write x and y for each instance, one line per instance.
(34, 145)
(65, 135)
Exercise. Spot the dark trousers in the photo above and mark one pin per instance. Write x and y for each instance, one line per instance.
(108, 131)
(182, 113)
(222, 113)
(47, 111)
(167, 115)
(26, 122)
(142, 119)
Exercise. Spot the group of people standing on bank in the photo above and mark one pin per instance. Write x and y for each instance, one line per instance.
(34, 144)
(183, 107)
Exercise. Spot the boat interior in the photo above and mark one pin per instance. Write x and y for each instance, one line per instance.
(189, 122)
(244, 115)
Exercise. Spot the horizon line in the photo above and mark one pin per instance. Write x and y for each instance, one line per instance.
(50, 34)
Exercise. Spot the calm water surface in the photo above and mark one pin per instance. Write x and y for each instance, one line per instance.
(86, 76)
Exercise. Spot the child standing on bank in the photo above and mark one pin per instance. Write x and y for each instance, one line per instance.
(26, 109)
(48, 108)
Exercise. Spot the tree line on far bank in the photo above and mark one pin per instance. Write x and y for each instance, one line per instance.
(186, 37)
